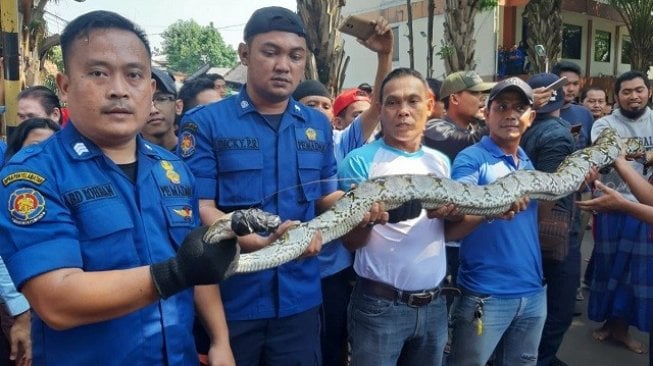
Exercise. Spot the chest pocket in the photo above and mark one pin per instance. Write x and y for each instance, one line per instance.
(180, 218)
(106, 236)
(240, 179)
(309, 166)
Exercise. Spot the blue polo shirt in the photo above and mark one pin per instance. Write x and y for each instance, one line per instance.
(501, 257)
(240, 160)
(69, 206)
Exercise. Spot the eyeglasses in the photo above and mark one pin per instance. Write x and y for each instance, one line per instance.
(162, 99)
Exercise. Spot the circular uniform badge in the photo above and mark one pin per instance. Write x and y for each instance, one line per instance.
(187, 144)
(26, 206)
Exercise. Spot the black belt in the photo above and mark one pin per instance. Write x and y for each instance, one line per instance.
(410, 298)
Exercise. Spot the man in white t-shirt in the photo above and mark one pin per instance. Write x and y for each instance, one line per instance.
(396, 313)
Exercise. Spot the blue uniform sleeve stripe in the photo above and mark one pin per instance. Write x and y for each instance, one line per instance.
(37, 259)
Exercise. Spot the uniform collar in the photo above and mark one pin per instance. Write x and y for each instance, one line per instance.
(245, 105)
(81, 148)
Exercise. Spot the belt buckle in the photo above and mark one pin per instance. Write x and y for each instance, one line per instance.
(420, 299)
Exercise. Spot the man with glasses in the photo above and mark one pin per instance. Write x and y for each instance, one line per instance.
(160, 126)
(595, 99)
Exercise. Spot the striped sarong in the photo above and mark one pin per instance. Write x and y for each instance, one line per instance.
(622, 279)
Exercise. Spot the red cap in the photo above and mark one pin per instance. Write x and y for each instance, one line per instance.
(348, 97)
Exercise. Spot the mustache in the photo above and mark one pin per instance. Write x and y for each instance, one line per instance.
(117, 108)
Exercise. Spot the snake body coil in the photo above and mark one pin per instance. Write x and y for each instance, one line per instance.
(489, 200)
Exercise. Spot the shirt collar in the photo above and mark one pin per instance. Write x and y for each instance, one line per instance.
(81, 148)
(497, 152)
(245, 105)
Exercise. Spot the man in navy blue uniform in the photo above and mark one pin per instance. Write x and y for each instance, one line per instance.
(96, 221)
(262, 149)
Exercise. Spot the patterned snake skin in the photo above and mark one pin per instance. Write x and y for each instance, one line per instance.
(489, 200)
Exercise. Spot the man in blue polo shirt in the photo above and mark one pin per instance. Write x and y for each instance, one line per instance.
(94, 230)
(503, 302)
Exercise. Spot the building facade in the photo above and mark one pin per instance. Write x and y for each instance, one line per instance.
(594, 37)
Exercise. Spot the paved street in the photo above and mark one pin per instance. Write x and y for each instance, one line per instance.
(580, 349)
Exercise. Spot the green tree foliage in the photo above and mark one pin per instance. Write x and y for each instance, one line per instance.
(638, 16)
(189, 45)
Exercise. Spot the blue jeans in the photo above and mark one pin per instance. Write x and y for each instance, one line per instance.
(384, 332)
(511, 328)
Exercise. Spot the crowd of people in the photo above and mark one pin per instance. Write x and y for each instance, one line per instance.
(109, 198)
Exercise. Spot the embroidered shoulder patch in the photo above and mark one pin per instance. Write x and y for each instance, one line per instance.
(26, 176)
(26, 206)
(187, 144)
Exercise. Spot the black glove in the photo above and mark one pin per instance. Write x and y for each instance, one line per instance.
(196, 263)
(408, 210)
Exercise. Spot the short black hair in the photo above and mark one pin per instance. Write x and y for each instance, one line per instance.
(401, 72)
(44, 95)
(100, 19)
(630, 75)
(191, 88)
(583, 93)
(17, 138)
(213, 77)
(565, 66)
(435, 86)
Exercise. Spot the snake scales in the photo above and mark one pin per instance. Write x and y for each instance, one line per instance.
(489, 200)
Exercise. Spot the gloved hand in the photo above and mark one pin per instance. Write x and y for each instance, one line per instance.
(196, 263)
(408, 210)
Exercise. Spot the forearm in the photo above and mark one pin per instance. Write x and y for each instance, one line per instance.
(370, 118)
(457, 230)
(70, 297)
(357, 238)
(638, 210)
(640, 188)
(208, 302)
(326, 202)
(209, 212)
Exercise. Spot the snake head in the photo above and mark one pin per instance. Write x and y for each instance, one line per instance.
(253, 220)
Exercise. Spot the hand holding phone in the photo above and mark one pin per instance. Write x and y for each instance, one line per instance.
(358, 27)
(557, 84)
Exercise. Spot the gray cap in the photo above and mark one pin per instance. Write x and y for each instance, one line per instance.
(164, 81)
(463, 80)
(514, 84)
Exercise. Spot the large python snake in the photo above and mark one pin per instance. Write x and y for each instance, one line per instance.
(489, 200)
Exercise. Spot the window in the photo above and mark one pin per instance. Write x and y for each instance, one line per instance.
(395, 44)
(602, 46)
(571, 41)
(626, 46)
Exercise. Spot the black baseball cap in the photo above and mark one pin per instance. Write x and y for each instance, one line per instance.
(515, 84)
(274, 18)
(164, 81)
